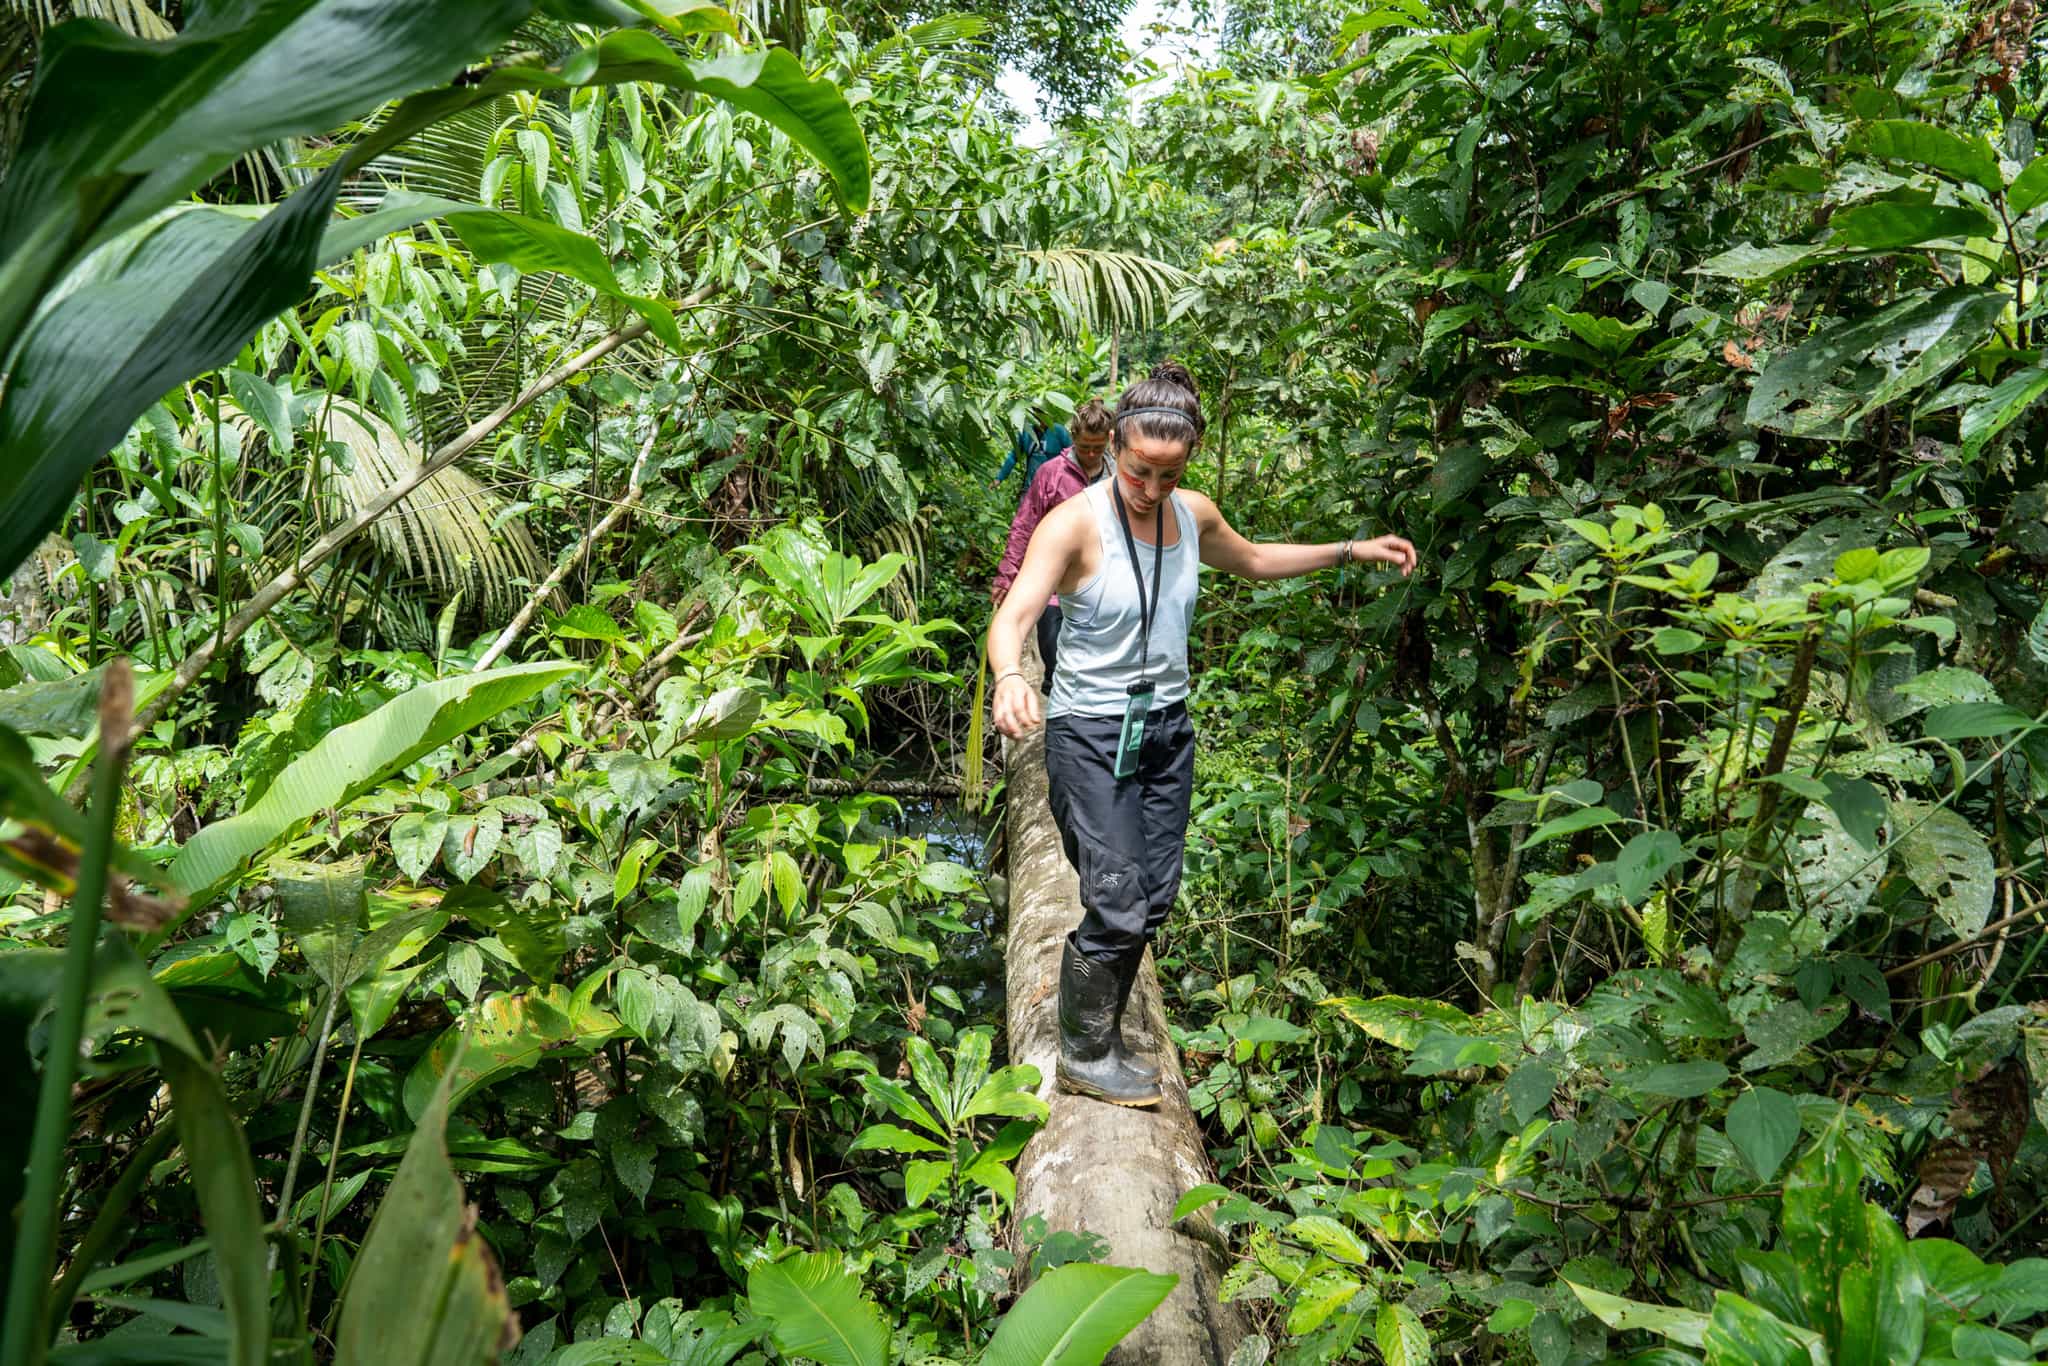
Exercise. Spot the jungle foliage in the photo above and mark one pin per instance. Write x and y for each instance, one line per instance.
(487, 534)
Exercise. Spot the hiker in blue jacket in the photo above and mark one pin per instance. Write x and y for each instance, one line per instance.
(1033, 446)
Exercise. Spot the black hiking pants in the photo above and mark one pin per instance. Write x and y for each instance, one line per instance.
(1124, 836)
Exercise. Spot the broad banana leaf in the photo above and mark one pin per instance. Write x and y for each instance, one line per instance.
(351, 759)
(118, 127)
(1074, 1314)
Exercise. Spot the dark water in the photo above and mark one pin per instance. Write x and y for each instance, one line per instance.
(971, 964)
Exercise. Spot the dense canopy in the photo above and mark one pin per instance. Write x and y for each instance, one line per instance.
(499, 855)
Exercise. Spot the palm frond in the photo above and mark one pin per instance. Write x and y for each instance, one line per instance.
(132, 17)
(445, 158)
(955, 37)
(453, 533)
(1100, 288)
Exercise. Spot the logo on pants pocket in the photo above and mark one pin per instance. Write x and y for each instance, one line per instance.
(1109, 879)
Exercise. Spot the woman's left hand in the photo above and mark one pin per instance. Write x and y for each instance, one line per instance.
(1394, 550)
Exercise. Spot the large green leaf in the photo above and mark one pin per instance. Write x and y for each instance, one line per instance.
(1948, 860)
(817, 1312)
(1883, 1299)
(1400, 1336)
(1822, 1225)
(503, 1034)
(126, 997)
(1688, 1326)
(1402, 1021)
(1961, 156)
(2029, 188)
(28, 979)
(323, 908)
(1074, 1314)
(1835, 874)
(177, 298)
(1741, 1333)
(424, 1289)
(1908, 344)
(1757, 263)
(529, 245)
(1764, 1127)
(824, 585)
(353, 758)
(118, 127)
(1886, 224)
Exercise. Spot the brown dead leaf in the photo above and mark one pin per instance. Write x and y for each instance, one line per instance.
(1736, 356)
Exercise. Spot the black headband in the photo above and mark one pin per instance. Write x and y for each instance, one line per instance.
(1140, 412)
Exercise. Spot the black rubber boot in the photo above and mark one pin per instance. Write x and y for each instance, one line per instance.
(1090, 1064)
(1141, 1066)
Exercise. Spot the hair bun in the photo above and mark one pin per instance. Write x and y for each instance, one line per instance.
(1173, 372)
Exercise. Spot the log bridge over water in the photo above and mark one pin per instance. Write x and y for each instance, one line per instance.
(1097, 1168)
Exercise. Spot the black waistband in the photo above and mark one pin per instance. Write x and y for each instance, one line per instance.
(1172, 711)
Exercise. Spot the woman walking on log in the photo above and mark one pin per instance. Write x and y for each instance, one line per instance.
(1119, 749)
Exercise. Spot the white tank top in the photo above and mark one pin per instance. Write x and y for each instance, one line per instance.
(1099, 636)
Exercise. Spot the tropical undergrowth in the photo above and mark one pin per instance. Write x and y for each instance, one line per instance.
(1625, 936)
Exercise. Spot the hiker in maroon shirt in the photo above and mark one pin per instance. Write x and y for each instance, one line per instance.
(1059, 479)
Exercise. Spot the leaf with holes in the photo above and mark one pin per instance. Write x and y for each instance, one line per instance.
(1781, 1033)
(1895, 350)
(1317, 1299)
(1330, 1238)
(1402, 1021)
(1949, 861)
(1834, 873)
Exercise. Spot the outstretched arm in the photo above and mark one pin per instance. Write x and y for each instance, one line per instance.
(1223, 548)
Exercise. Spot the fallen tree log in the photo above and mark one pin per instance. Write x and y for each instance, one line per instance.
(1099, 1168)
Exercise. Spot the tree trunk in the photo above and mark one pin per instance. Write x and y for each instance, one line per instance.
(1094, 1167)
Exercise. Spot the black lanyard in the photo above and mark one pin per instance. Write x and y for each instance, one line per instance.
(1145, 613)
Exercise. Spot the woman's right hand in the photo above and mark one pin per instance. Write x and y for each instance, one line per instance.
(1015, 707)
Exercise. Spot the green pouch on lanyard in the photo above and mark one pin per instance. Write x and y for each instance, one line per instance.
(1131, 739)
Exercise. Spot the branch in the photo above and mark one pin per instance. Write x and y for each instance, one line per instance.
(524, 616)
(1979, 937)
(1757, 845)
